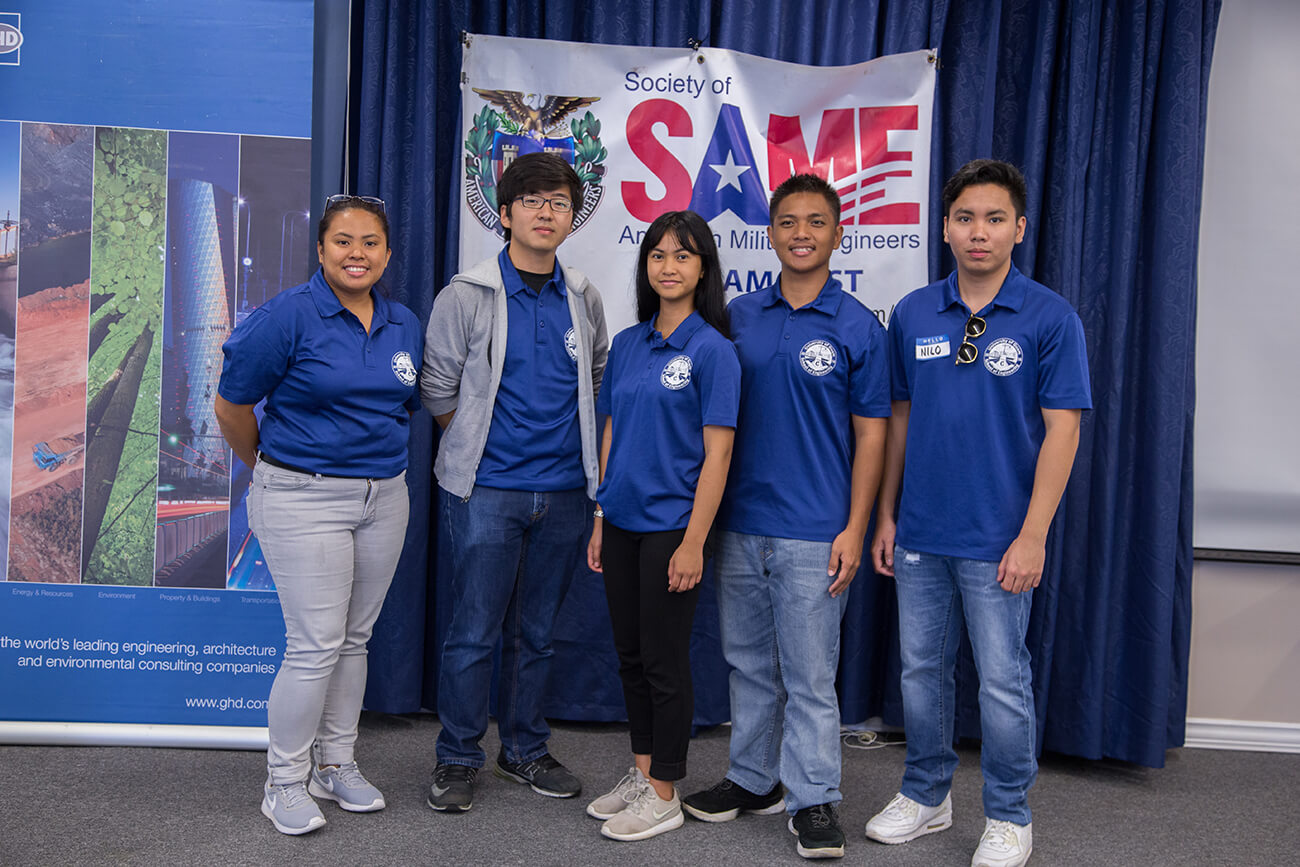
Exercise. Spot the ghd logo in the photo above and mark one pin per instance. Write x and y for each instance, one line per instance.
(11, 38)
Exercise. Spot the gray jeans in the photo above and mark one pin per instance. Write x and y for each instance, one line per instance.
(331, 545)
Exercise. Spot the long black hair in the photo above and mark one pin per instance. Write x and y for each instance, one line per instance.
(693, 233)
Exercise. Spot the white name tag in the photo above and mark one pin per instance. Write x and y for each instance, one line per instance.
(932, 347)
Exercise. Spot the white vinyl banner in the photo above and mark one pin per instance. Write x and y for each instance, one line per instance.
(651, 130)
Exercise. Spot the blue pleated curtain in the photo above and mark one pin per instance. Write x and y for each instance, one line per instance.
(1102, 104)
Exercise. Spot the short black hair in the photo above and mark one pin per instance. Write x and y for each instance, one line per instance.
(335, 208)
(977, 172)
(805, 183)
(693, 233)
(537, 173)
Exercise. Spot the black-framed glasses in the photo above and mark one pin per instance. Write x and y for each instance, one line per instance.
(968, 352)
(559, 204)
(344, 199)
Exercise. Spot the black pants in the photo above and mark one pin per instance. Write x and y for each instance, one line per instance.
(652, 633)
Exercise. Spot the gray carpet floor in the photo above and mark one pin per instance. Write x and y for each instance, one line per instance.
(135, 806)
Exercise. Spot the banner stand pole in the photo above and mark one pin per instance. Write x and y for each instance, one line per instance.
(133, 735)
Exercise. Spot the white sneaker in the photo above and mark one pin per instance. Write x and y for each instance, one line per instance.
(1004, 844)
(904, 819)
(645, 817)
(617, 799)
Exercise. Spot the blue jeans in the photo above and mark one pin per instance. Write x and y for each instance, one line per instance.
(331, 545)
(934, 595)
(513, 555)
(781, 636)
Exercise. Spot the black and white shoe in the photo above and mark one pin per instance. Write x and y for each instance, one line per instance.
(544, 774)
(453, 788)
(820, 835)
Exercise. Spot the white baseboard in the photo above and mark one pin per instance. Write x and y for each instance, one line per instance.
(1231, 734)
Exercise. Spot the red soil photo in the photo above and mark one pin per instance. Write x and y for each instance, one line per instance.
(49, 408)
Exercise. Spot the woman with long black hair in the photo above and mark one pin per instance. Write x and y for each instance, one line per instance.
(671, 393)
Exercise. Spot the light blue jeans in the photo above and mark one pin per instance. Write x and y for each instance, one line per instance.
(781, 636)
(332, 546)
(935, 594)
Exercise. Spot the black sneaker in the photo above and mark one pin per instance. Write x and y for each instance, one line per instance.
(819, 832)
(453, 788)
(546, 775)
(724, 802)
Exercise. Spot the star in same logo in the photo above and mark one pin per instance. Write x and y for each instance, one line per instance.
(729, 173)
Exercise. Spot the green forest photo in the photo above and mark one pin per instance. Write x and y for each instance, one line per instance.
(128, 231)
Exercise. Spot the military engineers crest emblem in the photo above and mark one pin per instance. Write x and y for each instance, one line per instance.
(526, 123)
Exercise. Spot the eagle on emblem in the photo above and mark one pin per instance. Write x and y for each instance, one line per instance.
(534, 122)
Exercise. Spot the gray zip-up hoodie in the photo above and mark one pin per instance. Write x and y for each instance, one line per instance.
(464, 352)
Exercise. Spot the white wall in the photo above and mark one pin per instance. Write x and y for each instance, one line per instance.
(1245, 657)
(1248, 304)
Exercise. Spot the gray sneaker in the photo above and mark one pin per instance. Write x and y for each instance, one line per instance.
(646, 817)
(345, 785)
(290, 809)
(617, 799)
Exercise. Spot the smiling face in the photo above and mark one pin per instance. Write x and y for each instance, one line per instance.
(674, 271)
(354, 252)
(804, 233)
(982, 230)
(536, 233)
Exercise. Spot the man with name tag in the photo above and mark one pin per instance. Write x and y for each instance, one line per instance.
(990, 377)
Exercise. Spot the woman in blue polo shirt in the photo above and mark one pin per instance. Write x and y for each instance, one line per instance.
(670, 393)
(337, 363)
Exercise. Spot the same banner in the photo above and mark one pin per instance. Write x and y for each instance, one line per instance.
(658, 129)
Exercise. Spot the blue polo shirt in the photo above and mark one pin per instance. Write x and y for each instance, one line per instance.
(534, 442)
(660, 394)
(338, 400)
(974, 430)
(804, 373)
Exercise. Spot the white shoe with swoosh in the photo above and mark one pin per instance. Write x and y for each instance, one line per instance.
(646, 817)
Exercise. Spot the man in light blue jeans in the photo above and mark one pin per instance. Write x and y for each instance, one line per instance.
(807, 458)
(990, 376)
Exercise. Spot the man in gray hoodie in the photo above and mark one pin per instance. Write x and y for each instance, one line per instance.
(514, 355)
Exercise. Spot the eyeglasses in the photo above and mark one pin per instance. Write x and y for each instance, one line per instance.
(534, 203)
(968, 352)
(344, 199)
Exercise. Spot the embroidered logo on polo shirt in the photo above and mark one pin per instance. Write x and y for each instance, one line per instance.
(677, 373)
(403, 367)
(1003, 357)
(571, 344)
(817, 357)
(932, 347)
